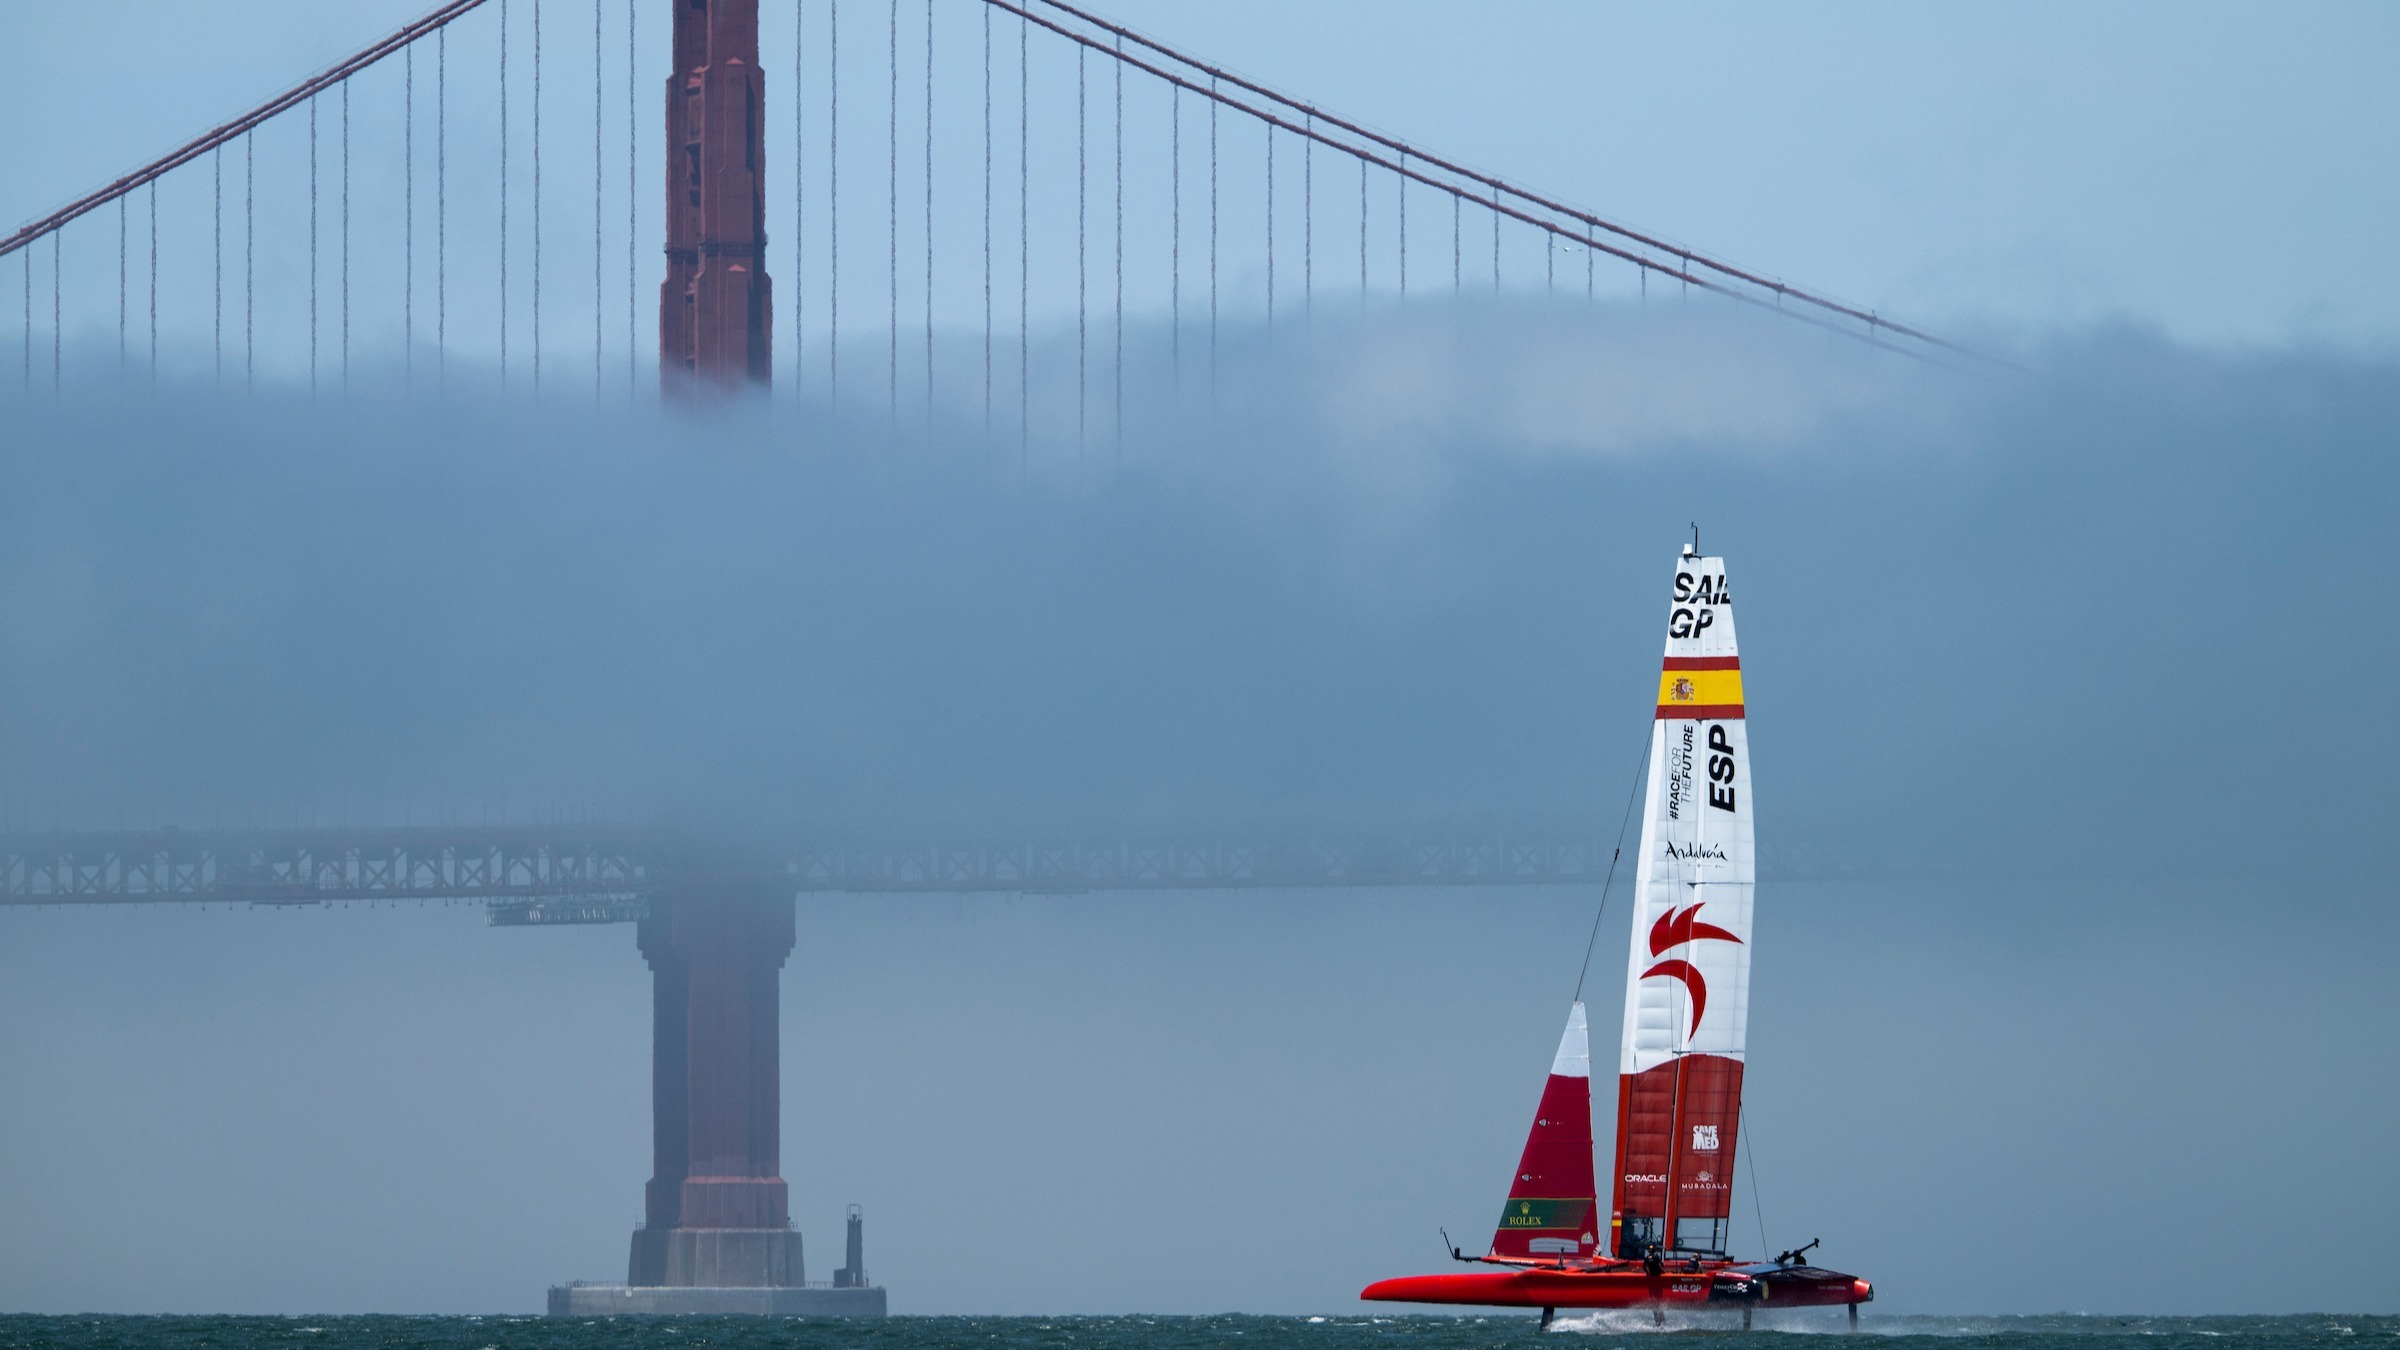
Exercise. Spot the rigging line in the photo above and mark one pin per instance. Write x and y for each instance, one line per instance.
(537, 194)
(503, 194)
(1497, 186)
(408, 217)
(892, 223)
(987, 229)
(1742, 1117)
(1640, 763)
(1082, 122)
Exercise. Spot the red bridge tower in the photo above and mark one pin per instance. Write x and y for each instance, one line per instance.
(715, 319)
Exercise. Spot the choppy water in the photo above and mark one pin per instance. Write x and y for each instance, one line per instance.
(2315, 1332)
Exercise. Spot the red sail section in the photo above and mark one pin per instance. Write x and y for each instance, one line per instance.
(1676, 1128)
(1553, 1203)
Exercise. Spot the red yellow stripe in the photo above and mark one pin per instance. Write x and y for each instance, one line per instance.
(1700, 687)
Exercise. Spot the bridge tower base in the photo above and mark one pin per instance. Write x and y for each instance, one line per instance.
(716, 1235)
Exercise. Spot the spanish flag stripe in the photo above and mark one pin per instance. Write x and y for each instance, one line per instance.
(1693, 688)
(1705, 712)
(1702, 663)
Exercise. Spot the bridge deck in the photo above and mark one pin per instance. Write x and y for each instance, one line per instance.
(598, 874)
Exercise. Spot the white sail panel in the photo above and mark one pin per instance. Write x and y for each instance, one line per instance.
(1688, 975)
(1687, 984)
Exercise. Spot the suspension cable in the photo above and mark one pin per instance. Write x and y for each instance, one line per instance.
(1524, 215)
(441, 209)
(1024, 257)
(249, 262)
(1082, 123)
(504, 194)
(632, 207)
(408, 218)
(1270, 229)
(987, 229)
(219, 135)
(312, 248)
(1117, 414)
(1498, 186)
(154, 283)
(800, 198)
(833, 207)
(1175, 248)
(217, 253)
(599, 175)
(537, 195)
(929, 224)
(345, 237)
(892, 224)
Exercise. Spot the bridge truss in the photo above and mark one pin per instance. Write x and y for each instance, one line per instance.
(597, 874)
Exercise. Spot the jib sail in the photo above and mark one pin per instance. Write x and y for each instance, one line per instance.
(1687, 988)
(1553, 1207)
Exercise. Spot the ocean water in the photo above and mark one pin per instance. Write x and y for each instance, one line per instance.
(1348, 1332)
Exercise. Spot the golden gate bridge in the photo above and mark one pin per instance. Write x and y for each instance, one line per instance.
(1162, 190)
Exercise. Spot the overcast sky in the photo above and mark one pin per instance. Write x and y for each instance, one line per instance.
(2062, 685)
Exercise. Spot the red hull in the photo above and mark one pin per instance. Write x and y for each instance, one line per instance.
(1629, 1286)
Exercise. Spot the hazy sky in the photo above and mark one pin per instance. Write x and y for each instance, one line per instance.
(2207, 168)
(2063, 685)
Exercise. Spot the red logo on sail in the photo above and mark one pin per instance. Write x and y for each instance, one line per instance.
(1673, 929)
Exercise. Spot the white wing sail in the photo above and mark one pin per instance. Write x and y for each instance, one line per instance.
(1687, 987)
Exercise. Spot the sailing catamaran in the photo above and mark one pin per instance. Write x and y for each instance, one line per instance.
(1679, 1070)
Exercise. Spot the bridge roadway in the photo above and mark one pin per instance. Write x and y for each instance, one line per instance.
(716, 922)
(554, 874)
